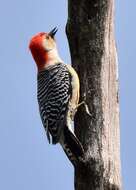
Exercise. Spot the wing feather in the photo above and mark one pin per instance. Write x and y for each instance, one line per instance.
(54, 90)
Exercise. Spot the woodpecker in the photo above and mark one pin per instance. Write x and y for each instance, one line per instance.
(57, 93)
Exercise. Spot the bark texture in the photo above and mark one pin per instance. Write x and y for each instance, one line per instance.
(90, 31)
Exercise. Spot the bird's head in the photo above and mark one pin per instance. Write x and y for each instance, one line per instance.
(43, 48)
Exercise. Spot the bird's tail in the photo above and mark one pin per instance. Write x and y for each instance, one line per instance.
(72, 147)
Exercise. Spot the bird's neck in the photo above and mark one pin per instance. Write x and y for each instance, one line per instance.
(48, 58)
(52, 58)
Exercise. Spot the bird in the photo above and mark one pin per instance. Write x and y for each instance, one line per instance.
(58, 91)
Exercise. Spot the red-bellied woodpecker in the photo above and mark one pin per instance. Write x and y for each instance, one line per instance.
(58, 94)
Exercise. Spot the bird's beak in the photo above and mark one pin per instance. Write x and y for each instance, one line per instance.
(53, 32)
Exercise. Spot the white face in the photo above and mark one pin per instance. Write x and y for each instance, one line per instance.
(49, 43)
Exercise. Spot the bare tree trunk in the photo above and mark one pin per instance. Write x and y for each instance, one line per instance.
(90, 31)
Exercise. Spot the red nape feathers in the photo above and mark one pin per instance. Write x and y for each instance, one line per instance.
(38, 52)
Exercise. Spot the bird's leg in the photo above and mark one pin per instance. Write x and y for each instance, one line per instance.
(72, 110)
(86, 107)
(83, 102)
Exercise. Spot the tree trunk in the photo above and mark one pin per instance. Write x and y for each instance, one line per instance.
(90, 31)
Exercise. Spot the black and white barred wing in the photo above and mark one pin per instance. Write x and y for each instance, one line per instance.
(54, 90)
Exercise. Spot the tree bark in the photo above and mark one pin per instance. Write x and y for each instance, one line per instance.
(90, 31)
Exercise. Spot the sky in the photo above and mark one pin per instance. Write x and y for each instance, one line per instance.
(27, 161)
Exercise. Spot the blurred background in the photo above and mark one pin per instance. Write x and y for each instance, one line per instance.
(27, 161)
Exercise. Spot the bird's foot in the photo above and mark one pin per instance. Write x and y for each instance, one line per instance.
(86, 107)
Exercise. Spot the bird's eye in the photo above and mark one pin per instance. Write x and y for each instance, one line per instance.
(47, 37)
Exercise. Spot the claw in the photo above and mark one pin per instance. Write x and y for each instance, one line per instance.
(86, 107)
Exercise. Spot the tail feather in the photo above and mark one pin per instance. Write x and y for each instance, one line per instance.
(69, 154)
(72, 147)
(73, 142)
